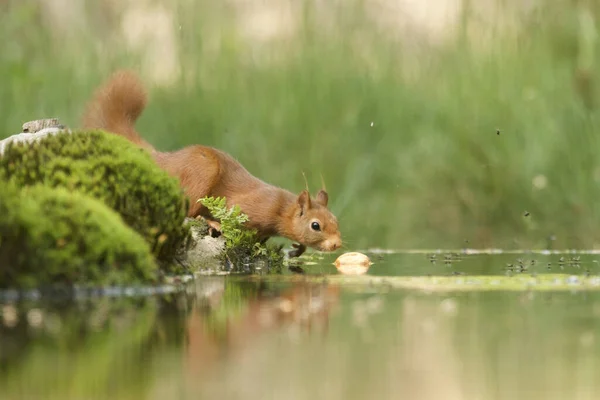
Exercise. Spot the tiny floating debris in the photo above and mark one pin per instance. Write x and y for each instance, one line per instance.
(353, 263)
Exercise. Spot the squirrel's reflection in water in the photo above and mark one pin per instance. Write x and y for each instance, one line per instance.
(228, 317)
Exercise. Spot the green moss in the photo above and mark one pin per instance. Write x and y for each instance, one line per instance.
(109, 168)
(243, 248)
(52, 235)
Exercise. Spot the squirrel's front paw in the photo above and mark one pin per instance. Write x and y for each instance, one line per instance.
(299, 250)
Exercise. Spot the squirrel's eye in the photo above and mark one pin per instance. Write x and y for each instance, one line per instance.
(315, 226)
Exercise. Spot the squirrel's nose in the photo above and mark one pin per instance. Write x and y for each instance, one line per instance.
(336, 243)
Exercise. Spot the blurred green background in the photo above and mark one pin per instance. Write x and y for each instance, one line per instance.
(445, 124)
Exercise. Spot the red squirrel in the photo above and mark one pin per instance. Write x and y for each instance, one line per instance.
(205, 171)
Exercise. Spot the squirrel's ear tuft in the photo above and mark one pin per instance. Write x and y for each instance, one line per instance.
(303, 201)
(322, 198)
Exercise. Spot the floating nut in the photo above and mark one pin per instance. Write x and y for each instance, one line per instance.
(353, 263)
(353, 258)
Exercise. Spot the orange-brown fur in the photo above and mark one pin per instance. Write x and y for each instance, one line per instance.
(206, 171)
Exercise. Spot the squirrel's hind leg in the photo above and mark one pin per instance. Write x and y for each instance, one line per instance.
(214, 228)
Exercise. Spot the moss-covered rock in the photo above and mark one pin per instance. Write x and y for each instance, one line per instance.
(110, 168)
(52, 235)
(203, 252)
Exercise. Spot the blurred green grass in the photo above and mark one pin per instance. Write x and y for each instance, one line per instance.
(404, 135)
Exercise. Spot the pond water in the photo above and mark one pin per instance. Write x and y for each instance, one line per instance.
(310, 336)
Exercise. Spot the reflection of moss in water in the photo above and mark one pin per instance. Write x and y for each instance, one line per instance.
(171, 320)
(109, 168)
(94, 349)
(232, 305)
(50, 235)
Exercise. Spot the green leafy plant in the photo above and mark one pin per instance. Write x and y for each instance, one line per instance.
(242, 245)
(232, 222)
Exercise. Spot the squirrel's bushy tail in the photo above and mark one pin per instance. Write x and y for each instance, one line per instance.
(116, 106)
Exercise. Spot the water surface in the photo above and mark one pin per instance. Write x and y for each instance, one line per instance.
(236, 337)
